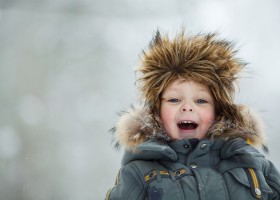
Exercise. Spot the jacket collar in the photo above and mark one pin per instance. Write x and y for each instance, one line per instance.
(178, 150)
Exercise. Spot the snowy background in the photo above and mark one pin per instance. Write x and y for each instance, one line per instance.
(66, 71)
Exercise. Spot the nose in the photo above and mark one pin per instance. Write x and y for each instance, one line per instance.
(187, 107)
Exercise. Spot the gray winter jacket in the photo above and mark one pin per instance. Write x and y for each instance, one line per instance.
(209, 169)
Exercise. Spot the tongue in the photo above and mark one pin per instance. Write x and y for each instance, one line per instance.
(187, 126)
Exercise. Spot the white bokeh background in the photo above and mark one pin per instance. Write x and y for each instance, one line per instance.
(66, 70)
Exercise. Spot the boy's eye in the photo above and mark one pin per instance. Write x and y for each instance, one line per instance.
(174, 100)
(201, 101)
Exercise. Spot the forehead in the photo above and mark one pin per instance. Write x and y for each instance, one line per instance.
(178, 85)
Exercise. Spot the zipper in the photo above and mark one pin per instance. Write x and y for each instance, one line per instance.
(255, 181)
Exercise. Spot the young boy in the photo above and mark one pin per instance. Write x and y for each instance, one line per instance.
(190, 140)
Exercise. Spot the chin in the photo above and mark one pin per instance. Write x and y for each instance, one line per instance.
(188, 135)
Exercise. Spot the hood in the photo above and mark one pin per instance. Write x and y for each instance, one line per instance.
(136, 126)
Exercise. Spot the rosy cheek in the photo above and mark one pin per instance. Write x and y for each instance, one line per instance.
(166, 116)
(210, 119)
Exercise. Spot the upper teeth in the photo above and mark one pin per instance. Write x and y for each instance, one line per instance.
(186, 122)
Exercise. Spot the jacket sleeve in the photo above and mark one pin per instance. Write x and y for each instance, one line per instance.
(129, 185)
(272, 176)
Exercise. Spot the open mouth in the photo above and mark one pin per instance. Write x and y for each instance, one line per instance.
(187, 125)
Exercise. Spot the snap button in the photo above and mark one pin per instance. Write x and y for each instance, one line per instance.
(258, 191)
(152, 174)
(203, 146)
(178, 173)
(193, 165)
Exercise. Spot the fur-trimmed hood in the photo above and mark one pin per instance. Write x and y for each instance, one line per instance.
(136, 126)
(202, 58)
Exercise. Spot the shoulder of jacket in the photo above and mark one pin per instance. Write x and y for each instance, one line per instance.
(150, 150)
(238, 147)
(238, 154)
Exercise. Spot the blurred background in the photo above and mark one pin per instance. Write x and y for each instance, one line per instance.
(66, 70)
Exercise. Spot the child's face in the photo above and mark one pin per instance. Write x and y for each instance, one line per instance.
(187, 109)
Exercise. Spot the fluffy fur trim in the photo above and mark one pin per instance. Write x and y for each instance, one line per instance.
(251, 129)
(137, 126)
